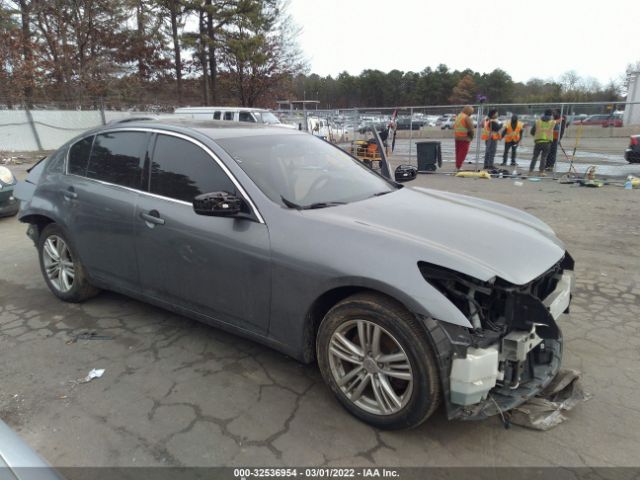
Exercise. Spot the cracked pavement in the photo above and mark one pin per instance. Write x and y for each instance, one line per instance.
(180, 393)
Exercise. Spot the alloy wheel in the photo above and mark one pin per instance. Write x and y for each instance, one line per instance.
(370, 367)
(58, 263)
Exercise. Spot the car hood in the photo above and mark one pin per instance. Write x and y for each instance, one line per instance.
(476, 237)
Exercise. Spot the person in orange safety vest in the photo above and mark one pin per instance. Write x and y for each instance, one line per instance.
(512, 134)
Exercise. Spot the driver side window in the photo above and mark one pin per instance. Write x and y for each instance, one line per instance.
(182, 170)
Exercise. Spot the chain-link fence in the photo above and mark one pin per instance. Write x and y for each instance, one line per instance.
(596, 133)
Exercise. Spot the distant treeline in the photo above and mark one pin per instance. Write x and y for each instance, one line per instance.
(442, 86)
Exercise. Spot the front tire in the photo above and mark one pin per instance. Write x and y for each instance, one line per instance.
(378, 361)
(61, 267)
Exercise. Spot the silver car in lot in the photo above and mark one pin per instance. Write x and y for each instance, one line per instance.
(398, 293)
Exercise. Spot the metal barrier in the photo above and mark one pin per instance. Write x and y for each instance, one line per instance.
(43, 128)
(601, 140)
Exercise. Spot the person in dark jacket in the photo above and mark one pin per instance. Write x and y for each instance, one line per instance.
(558, 133)
(491, 136)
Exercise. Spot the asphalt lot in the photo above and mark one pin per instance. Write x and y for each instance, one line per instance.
(176, 392)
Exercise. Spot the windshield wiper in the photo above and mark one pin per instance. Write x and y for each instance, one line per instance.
(379, 194)
(322, 205)
(290, 204)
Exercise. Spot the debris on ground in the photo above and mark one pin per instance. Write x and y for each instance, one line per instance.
(469, 174)
(88, 336)
(94, 373)
(546, 410)
(632, 182)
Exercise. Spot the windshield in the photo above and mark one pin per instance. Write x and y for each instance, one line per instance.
(268, 117)
(303, 170)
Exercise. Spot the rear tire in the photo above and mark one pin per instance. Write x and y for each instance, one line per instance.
(378, 361)
(61, 267)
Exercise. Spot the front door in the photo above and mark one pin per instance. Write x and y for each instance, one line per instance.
(216, 266)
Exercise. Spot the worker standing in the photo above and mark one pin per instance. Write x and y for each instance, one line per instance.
(542, 132)
(463, 133)
(491, 136)
(512, 135)
(558, 133)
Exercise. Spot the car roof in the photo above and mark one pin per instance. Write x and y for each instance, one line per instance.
(214, 129)
(218, 109)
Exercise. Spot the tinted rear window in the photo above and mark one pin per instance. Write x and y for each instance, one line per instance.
(79, 156)
(115, 158)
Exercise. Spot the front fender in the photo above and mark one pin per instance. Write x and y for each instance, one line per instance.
(417, 295)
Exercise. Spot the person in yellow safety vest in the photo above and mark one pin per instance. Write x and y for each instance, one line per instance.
(463, 134)
(542, 133)
(491, 135)
(558, 133)
(512, 135)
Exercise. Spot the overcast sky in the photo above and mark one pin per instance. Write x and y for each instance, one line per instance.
(536, 38)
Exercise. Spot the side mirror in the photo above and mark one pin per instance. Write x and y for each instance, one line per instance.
(217, 204)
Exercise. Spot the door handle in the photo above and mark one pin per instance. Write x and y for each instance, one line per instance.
(152, 217)
(70, 194)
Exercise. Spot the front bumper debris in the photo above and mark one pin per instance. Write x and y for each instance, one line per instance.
(503, 371)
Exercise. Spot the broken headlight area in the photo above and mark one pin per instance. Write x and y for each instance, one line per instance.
(515, 346)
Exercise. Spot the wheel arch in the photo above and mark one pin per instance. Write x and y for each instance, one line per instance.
(324, 302)
(39, 222)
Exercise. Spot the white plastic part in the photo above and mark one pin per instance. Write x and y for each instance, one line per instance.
(473, 377)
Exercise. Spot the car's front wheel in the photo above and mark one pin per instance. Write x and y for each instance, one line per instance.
(378, 362)
(61, 267)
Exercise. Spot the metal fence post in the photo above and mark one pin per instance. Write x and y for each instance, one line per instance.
(410, 131)
(555, 163)
(33, 127)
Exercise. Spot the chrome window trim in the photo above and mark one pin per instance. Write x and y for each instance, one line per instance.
(159, 131)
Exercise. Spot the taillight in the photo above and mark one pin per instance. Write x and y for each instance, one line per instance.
(634, 140)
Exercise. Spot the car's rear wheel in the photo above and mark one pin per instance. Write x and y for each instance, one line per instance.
(61, 267)
(378, 362)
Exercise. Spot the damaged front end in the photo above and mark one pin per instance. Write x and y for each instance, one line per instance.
(514, 349)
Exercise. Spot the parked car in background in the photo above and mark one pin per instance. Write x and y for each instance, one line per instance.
(598, 119)
(576, 119)
(8, 204)
(632, 153)
(281, 237)
(232, 114)
(446, 122)
(614, 120)
(405, 123)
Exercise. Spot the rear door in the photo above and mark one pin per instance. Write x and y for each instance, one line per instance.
(215, 266)
(103, 195)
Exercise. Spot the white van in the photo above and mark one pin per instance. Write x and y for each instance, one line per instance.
(232, 114)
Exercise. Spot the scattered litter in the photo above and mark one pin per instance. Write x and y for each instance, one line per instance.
(632, 182)
(469, 174)
(593, 183)
(94, 373)
(534, 179)
(567, 179)
(545, 411)
(518, 183)
(88, 336)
